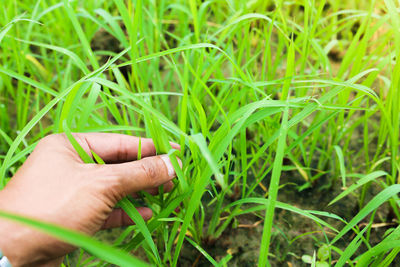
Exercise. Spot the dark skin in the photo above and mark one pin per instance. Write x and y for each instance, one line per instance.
(55, 186)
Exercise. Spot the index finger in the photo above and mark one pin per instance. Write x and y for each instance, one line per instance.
(114, 148)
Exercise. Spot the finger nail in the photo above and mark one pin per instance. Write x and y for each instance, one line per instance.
(168, 164)
(179, 162)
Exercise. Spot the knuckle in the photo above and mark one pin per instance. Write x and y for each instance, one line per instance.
(111, 174)
(50, 140)
(151, 172)
(47, 138)
(123, 153)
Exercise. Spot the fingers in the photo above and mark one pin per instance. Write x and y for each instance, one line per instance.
(119, 218)
(117, 147)
(143, 174)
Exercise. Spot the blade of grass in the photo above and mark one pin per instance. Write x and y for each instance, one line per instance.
(362, 181)
(93, 246)
(273, 191)
(339, 154)
(382, 247)
(378, 200)
(202, 251)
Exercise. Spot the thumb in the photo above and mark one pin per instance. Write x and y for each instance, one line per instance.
(142, 174)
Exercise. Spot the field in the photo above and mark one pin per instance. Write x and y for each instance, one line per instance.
(287, 114)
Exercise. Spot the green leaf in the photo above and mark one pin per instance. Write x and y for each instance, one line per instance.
(202, 251)
(201, 143)
(351, 248)
(377, 201)
(78, 148)
(362, 181)
(378, 249)
(306, 259)
(339, 154)
(99, 249)
(323, 253)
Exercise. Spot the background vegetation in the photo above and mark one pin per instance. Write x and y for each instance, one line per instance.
(280, 107)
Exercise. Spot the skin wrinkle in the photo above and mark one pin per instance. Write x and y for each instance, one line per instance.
(151, 170)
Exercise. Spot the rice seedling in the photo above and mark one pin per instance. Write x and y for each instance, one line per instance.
(286, 112)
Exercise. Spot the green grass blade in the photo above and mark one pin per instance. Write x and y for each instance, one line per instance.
(382, 247)
(362, 181)
(202, 251)
(140, 223)
(75, 59)
(273, 191)
(93, 246)
(339, 154)
(378, 200)
(350, 249)
(82, 154)
(201, 143)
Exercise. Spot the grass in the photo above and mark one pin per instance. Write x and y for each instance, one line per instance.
(266, 99)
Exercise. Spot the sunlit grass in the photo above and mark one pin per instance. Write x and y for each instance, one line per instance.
(251, 90)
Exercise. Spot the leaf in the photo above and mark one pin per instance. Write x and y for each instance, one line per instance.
(378, 249)
(351, 249)
(99, 249)
(339, 154)
(201, 143)
(362, 181)
(323, 253)
(306, 259)
(378, 200)
(78, 148)
(202, 251)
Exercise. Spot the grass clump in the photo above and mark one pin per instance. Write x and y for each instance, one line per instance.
(276, 105)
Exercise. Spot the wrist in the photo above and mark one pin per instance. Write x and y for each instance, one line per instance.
(17, 241)
(7, 244)
(23, 245)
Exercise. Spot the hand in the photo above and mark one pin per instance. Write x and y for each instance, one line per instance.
(55, 186)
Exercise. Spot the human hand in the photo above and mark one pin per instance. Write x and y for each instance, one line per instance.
(54, 185)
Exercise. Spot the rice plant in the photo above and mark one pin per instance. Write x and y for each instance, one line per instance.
(286, 112)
